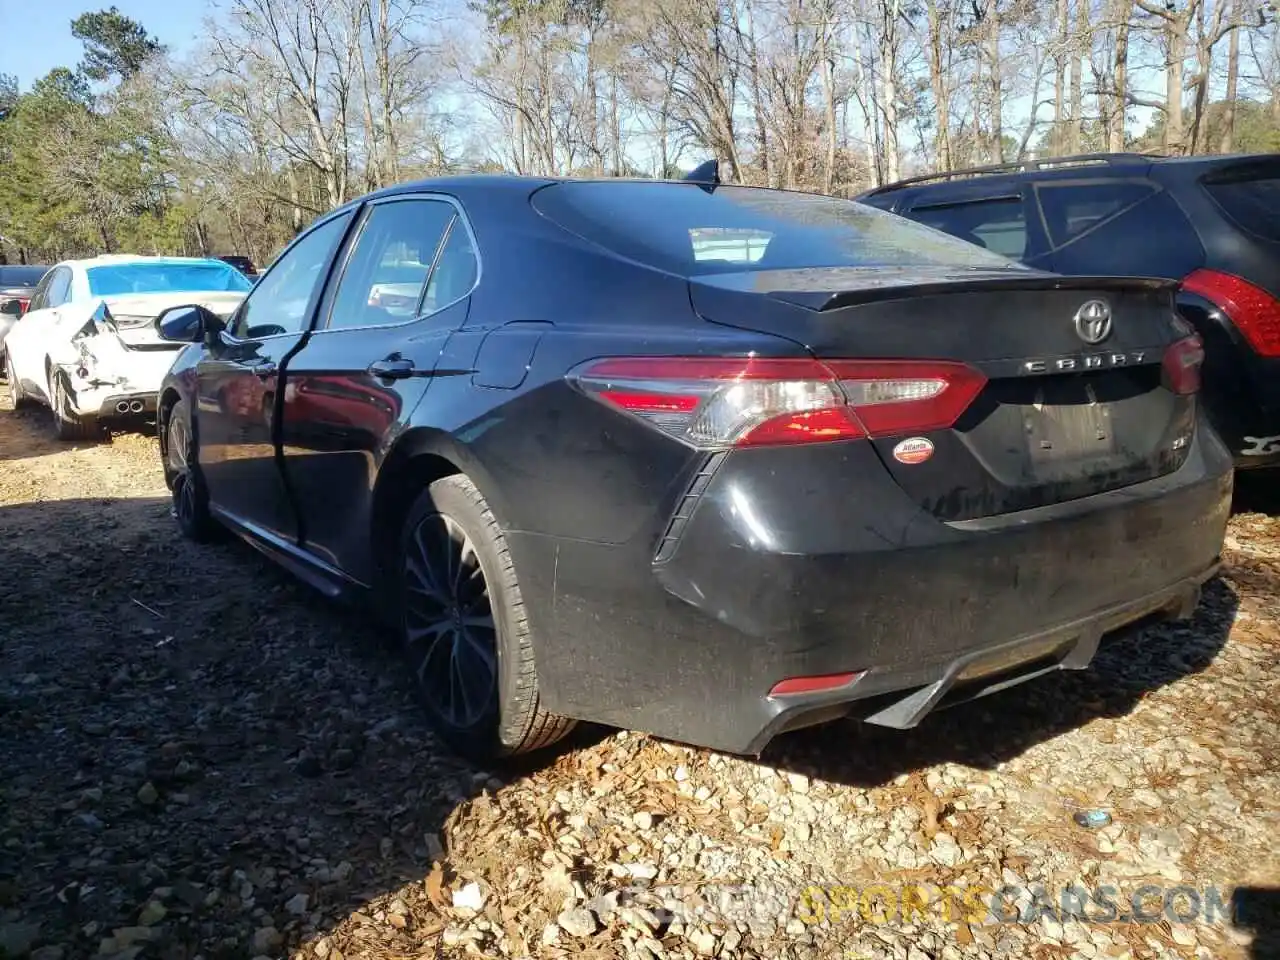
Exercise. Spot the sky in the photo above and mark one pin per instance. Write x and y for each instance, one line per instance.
(35, 35)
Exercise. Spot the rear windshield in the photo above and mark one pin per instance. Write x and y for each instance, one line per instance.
(683, 229)
(1252, 204)
(21, 276)
(161, 277)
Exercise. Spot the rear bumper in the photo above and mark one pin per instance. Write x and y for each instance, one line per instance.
(901, 697)
(111, 403)
(810, 561)
(105, 399)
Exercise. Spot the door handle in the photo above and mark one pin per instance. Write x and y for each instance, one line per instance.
(264, 369)
(391, 369)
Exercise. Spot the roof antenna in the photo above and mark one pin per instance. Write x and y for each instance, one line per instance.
(706, 175)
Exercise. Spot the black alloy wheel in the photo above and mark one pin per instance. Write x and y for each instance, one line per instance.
(449, 625)
(190, 503)
(464, 628)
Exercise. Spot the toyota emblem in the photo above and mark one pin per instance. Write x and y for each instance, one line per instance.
(1093, 321)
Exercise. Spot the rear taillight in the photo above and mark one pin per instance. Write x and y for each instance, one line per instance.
(1255, 312)
(749, 401)
(24, 303)
(1181, 364)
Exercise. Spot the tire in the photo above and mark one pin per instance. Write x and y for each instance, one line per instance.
(190, 497)
(66, 425)
(454, 566)
(17, 396)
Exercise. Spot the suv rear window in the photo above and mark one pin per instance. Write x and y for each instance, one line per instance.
(686, 230)
(1071, 209)
(1252, 204)
(996, 223)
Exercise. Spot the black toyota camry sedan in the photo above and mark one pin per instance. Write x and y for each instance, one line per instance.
(708, 461)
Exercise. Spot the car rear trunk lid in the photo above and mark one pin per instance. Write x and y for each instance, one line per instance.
(1059, 418)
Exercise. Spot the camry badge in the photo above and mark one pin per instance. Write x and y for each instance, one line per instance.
(1093, 321)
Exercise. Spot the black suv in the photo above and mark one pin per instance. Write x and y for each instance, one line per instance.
(243, 264)
(1212, 223)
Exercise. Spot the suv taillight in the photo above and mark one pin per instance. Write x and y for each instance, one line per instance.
(751, 401)
(1255, 312)
(1181, 364)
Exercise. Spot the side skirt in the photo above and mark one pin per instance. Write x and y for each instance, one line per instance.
(329, 580)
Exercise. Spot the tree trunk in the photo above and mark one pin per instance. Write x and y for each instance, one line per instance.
(997, 94)
(870, 111)
(829, 105)
(757, 101)
(615, 126)
(1075, 128)
(1058, 140)
(1204, 63)
(360, 17)
(889, 88)
(979, 145)
(1084, 38)
(1227, 143)
(1120, 75)
(390, 141)
(940, 83)
(1174, 134)
(592, 110)
(295, 208)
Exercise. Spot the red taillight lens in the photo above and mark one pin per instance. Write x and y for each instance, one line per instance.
(1181, 363)
(750, 401)
(24, 303)
(1255, 312)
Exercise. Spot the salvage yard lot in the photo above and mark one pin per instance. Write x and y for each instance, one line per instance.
(200, 758)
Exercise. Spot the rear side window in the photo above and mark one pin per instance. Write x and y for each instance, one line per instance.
(59, 290)
(1072, 209)
(998, 224)
(385, 277)
(686, 230)
(1253, 205)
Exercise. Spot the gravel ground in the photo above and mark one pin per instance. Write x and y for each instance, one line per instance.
(201, 759)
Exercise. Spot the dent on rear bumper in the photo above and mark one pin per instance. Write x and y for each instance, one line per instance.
(794, 566)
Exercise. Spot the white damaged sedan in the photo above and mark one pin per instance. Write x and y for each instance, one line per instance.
(87, 346)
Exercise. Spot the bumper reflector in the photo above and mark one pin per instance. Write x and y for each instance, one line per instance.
(829, 681)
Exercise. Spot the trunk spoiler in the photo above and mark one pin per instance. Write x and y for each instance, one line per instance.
(832, 289)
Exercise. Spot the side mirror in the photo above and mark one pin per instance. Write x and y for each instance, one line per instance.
(12, 308)
(187, 324)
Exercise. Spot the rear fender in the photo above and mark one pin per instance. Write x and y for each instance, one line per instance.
(415, 442)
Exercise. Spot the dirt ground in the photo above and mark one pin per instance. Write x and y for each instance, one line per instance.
(200, 758)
